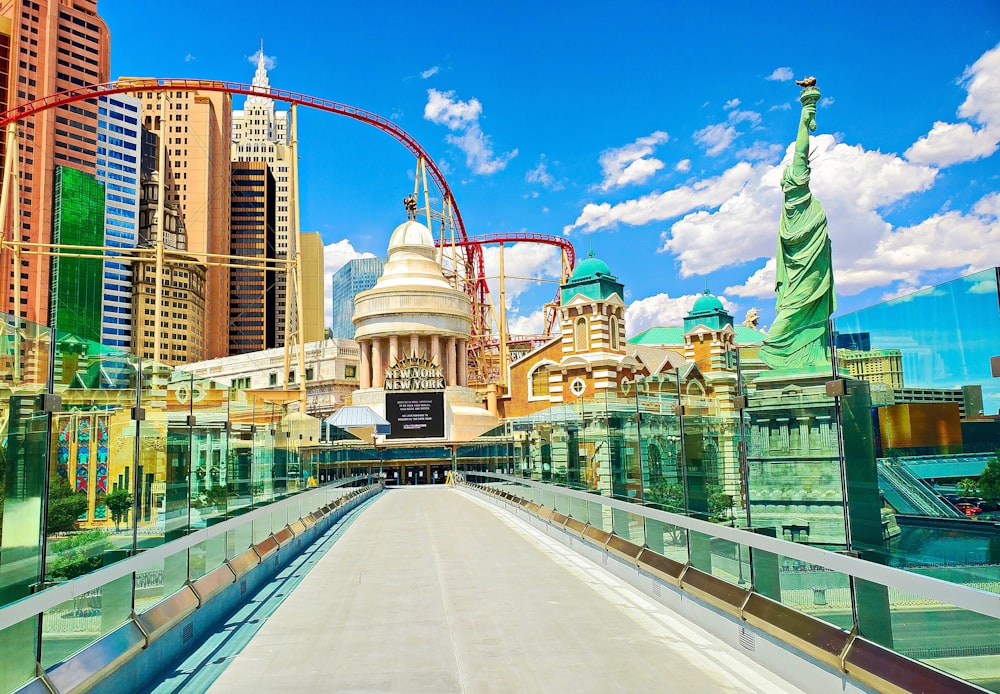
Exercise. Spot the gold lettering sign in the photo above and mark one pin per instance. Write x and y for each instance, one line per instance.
(414, 373)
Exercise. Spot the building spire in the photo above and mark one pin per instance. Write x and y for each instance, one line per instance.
(260, 79)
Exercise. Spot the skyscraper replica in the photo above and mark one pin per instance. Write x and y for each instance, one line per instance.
(252, 316)
(119, 146)
(261, 134)
(353, 278)
(196, 126)
(52, 46)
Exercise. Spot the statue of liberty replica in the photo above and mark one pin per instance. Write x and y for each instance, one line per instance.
(799, 339)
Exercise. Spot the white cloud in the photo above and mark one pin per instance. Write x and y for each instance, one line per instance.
(189, 58)
(335, 256)
(826, 101)
(781, 107)
(982, 82)
(760, 151)
(952, 143)
(540, 175)
(759, 284)
(716, 138)
(430, 72)
(661, 310)
(462, 117)
(684, 165)
(731, 104)
(656, 207)
(631, 163)
(948, 241)
(781, 74)
(270, 61)
(452, 113)
(739, 116)
(532, 324)
(744, 227)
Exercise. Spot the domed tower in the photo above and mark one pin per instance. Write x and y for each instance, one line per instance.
(709, 335)
(413, 330)
(593, 310)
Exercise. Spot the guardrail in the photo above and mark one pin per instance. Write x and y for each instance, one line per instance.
(586, 516)
(149, 622)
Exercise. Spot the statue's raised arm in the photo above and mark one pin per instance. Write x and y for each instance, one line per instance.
(799, 336)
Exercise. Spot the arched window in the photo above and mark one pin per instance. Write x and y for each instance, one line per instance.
(580, 335)
(538, 382)
(614, 333)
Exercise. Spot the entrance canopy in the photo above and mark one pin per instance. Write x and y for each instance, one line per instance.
(359, 421)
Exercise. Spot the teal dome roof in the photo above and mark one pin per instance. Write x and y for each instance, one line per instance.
(590, 267)
(706, 303)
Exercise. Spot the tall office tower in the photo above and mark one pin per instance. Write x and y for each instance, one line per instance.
(260, 133)
(182, 313)
(77, 220)
(355, 277)
(251, 291)
(118, 151)
(196, 126)
(55, 45)
(312, 285)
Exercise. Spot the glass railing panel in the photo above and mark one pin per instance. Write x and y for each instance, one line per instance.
(25, 354)
(667, 539)
(239, 540)
(209, 478)
(18, 654)
(75, 624)
(963, 643)
(727, 560)
(279, 518)
(579, 509)
(261, 529)
(239, 453)
(802, 586)
(599, 515)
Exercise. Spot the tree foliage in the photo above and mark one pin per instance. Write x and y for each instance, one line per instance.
(65, 505)
(119, 503)
(76, 555)
(989, 481)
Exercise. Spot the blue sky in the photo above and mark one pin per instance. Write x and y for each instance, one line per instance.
(652, 131)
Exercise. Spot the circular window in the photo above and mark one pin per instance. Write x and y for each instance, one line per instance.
(577, 387)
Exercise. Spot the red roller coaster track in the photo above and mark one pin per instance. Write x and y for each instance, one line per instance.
(475, 285)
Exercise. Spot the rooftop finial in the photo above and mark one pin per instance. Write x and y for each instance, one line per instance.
(591, 253)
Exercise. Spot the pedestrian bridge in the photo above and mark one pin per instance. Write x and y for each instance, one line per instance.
(501, 584)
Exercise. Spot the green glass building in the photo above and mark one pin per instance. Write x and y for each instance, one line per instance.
(77, 220)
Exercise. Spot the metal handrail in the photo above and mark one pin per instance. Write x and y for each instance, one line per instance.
(972, 599)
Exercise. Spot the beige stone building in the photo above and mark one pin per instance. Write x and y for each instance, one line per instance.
(413, 330)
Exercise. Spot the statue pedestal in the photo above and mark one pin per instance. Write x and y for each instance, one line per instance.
(811, 475)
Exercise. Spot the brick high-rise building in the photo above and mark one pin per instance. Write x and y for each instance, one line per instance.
(197, 128)
(54, 45)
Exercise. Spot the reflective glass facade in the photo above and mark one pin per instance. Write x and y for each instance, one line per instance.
(118, 153)
(353, 278)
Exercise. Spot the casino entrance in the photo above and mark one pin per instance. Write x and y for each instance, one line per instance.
(424, 474)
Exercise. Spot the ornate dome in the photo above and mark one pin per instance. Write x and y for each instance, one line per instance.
(706, 303)
(410, 233)
(590, 267)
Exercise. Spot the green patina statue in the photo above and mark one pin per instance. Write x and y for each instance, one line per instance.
(799, 338)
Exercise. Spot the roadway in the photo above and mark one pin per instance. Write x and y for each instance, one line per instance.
(432, 590)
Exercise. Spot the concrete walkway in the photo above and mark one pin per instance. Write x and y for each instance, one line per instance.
(434, 590)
